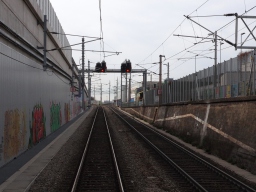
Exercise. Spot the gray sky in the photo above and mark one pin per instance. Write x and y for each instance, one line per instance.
(143, 29)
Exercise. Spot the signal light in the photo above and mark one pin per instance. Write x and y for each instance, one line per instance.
(126, 66)
(98, 67)
(101, 67)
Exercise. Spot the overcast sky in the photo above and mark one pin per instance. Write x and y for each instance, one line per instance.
(144, 29)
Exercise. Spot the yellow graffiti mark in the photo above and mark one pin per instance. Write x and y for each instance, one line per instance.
(14, 133)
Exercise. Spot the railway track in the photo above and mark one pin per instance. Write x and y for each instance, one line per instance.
(201, 175)
(98, 169)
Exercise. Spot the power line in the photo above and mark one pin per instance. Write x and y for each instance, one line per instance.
(203, 39)
(173, 32)
(74, 35)
(21, 62)
(33, 66)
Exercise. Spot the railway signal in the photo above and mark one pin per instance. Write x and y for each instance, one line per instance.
(126, 66)
(101, 67)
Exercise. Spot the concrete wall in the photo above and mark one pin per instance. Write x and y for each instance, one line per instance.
(224, 129)
(33, 102)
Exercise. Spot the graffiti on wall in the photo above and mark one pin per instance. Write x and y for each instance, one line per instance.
(67, 112)
(55, 114)
(14, 139)
(76, 106)
(37, 125)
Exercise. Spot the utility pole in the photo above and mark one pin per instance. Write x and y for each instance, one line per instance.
(215, 63)
(44, 43)
(144, 87)
(109, 93)
(89, 92)
(45, 35)
(160, 80)
(126, 88)
(89, 84)
(121, 91)
(83, 106)
(220, 50)
(151, 86)
(129, 93)
(101, 93)
(197, 92)
(116, 90)
(168, 77)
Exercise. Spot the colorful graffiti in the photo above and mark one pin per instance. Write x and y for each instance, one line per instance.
(76, 106)
(67, 112)
(56, 118)
(37, 125)
(14, 139)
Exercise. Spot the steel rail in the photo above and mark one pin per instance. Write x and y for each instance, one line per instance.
(199, 159)
(171, 162)
(74, 187)
(83, 156)
(121, 188)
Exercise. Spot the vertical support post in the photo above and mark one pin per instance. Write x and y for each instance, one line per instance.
(168, 76)
(89, 85)
(253, 60)
(72, 81)
(116, 91)
(126, 88)
(83, 104)
(121, 90)
(230, 68)
(109, 93)
(236, 31)
(151, 86)
(101, 93)
(144, 87)
(215, 64)
(89, 94)
(80, 84)
(208, 83)
(160, 80)
(197, 92)
(129, 93)
(45, 45)
(183, 86)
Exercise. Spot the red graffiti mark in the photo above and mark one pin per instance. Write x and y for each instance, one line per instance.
(38, 124)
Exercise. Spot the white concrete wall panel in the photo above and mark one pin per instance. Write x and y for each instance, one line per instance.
(33, 102)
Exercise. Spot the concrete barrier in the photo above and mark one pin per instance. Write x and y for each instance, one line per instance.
(224, 129)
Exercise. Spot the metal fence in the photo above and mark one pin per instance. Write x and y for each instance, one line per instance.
(232, 78)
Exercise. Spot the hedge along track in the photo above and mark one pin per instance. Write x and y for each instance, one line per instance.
(98, 169)
(202, 175)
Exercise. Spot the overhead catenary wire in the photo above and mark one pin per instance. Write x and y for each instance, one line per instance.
(173, 32)
(194, 44)
(202, 39)
(37, 68)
